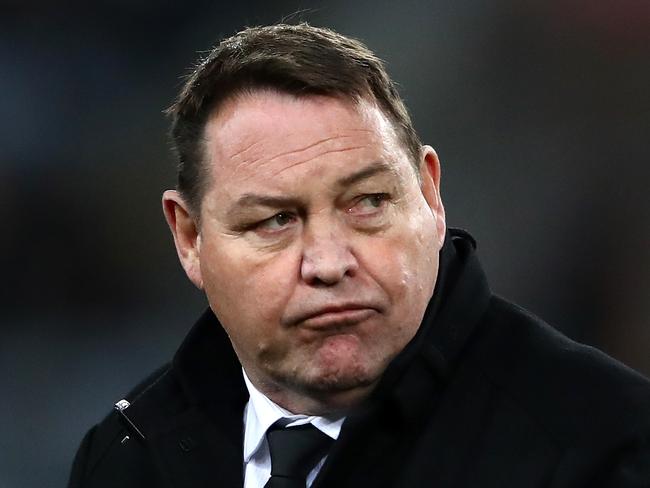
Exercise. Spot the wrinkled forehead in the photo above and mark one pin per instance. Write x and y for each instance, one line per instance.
(267, 127)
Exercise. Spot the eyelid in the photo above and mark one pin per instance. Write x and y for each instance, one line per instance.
(264, 225)
(373, 211)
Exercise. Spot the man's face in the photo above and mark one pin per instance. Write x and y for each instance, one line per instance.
(317, 248)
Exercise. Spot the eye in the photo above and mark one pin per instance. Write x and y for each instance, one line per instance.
(277, 223)
(369, 204)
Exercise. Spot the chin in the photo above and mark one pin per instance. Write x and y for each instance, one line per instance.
(334, 376)
(315, 388)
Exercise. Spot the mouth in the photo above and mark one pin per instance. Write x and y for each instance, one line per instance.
(335, 317)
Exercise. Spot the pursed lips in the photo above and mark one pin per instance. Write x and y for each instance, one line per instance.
(335, 316)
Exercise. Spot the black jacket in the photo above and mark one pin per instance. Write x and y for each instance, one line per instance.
(485, 395)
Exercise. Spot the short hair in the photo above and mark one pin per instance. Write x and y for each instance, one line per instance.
(298, 59)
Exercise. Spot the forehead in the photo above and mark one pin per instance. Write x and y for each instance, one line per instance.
(265, 137)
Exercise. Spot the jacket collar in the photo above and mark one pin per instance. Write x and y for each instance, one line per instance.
(210, 373)
(448, 321)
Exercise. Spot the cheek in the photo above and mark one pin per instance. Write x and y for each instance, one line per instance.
(390, 266)
(405, 263)
(243, 287)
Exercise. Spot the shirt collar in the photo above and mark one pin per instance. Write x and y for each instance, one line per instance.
(261, 413)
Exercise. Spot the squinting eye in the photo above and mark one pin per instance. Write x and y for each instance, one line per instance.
(277, 222)
(369, 203)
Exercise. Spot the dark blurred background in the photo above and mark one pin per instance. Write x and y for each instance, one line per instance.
(540, 112)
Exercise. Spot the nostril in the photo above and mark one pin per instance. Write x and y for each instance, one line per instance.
(327, 267)
(319, 282)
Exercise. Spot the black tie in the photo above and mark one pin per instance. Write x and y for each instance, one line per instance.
(294, 453)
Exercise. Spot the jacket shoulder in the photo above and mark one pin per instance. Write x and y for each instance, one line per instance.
(575, 392)
(585, 413)
(116, 441)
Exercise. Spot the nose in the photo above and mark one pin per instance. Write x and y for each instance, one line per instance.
(327, 258)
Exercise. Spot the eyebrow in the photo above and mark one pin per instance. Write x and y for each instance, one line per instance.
(255, 199)
(378, 167)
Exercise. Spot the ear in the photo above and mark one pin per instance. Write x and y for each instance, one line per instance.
(187, 237)
(430, 186)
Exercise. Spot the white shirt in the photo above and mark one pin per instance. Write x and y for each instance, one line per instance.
(260, 414)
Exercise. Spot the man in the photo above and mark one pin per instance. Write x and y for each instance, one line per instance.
(351, 339)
